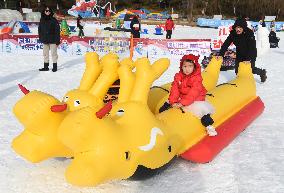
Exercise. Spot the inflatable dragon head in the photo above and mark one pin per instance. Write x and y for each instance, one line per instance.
(112, 147)
(41, 114)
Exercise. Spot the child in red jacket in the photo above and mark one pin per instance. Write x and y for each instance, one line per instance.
(169, 26)
(187, 92)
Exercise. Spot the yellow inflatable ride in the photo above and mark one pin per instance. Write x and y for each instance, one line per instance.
(41, 114)
(111, 142)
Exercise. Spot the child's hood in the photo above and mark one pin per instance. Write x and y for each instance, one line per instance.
(197, 68)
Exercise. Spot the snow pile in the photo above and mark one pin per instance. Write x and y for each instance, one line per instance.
(262, 41)
(33, 16)
(7, 15)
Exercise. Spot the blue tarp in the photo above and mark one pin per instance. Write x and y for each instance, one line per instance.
(215, 23)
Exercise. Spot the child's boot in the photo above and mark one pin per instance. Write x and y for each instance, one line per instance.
(165, 107)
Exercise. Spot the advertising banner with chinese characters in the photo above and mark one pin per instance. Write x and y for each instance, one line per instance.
(30, 44)
(153, 48)
(101, 45)
(10, 44)
(140, 48)
(65, 46)
(116, 45)
(223, 33)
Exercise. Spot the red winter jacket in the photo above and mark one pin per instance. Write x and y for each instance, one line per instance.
(188, 88)
(169, 24)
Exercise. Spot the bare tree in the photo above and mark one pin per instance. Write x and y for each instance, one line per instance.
(203, 11)
(189, 10)
(235, 3)
(219, 7)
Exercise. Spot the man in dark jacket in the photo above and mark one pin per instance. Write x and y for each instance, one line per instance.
(273, 39)
(49, 35)
(244, 40)
(135, 27)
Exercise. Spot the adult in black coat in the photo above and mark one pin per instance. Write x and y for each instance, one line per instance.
(244, 40)
(135, 27)
(273, 39)
(49, 35)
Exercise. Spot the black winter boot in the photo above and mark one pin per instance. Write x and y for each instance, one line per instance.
(207, 120)
(54, 69)
(263, 76)
(45, 68)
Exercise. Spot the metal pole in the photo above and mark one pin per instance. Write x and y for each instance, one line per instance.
(5, 4)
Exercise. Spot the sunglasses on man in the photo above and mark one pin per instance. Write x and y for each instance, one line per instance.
(47, 11)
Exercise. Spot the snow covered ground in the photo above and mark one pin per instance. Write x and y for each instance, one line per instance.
(178, 33)
(252, 163)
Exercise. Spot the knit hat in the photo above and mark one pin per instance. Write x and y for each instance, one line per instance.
(241, 22)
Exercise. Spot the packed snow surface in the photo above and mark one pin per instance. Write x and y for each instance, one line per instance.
(252, 163)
